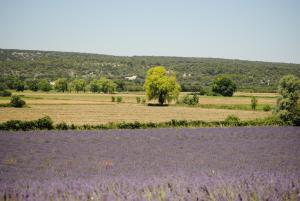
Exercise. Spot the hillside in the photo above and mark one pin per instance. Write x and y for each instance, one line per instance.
(191, 72)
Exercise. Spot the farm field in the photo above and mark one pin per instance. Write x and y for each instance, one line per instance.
(88, 108)
(157, 164)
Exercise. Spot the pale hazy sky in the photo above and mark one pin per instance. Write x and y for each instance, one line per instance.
(266, 30)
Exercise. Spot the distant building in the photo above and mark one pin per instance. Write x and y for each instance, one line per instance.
(131, 78)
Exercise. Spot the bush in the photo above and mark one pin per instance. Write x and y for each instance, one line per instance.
(253, 103)
(5, 93)
(16, 101)
(267, 108)
(45, 123)
(232, 120)
(62, 126)
(191, 100)
(138, 99)
(119, 99)
(113, 99)
(143, 100)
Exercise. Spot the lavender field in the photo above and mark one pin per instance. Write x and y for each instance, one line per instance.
(151, 165)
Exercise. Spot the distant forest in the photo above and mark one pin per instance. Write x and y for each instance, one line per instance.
(192, 73)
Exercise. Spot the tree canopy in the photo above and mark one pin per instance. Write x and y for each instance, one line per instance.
(289, 87)
(161, 84)
(224, 86)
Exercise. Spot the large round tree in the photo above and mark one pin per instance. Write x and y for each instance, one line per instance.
(161, 85)
(224, 86)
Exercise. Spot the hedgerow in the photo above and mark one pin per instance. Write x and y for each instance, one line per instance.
(46, 123)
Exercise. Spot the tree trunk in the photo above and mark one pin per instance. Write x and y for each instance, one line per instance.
(161, 99)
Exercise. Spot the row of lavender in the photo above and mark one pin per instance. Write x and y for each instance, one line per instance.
(255, 187)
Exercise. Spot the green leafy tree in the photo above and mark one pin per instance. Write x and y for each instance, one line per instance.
(161, 85)
(94, 86)
(288, 89)
(44, 85)
(33, 85)
(107, 85)
(61, 85)
(224, 86)
(79, 85)
(19, 85)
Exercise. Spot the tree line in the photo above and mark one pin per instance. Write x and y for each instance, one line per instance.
(103, 85)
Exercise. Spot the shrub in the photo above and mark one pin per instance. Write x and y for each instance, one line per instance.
(191, 100)
(16, 101)
(62, 126)
(267, 108)
(232, 120)
(253, 103)
(143, 100)
(113, 99)
(5, 93)
(119, 99)
(138, 99)
(45, 123)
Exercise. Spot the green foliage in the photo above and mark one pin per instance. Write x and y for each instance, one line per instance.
(62, 126)
(143, 100)
(61, 85)
(119, 99)
(5, 93)
(224, 86)
(39, 124)
(232, 120)
(16, 101)
(107, 85)
(78, 85)
(33, 85)
(267, 108)
(46, 123)
(103, 85)
(248, 75)
(3, 86)
(113, 99)
(289, 87)
(190, 99)
(19, 85)
(253, 103)
(44, 85)
(94, 87)
(138, 99)
(161, 85)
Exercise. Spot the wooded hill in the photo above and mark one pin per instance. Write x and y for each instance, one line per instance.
(191, 72)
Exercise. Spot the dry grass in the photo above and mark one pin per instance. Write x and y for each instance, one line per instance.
(95, 114)
(97, 108)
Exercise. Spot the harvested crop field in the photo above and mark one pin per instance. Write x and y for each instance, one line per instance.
(89, 108)
(156, 164)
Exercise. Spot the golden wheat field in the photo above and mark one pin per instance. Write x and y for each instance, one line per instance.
(88, 108)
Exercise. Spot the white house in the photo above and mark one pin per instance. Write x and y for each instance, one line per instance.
(131, 78)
